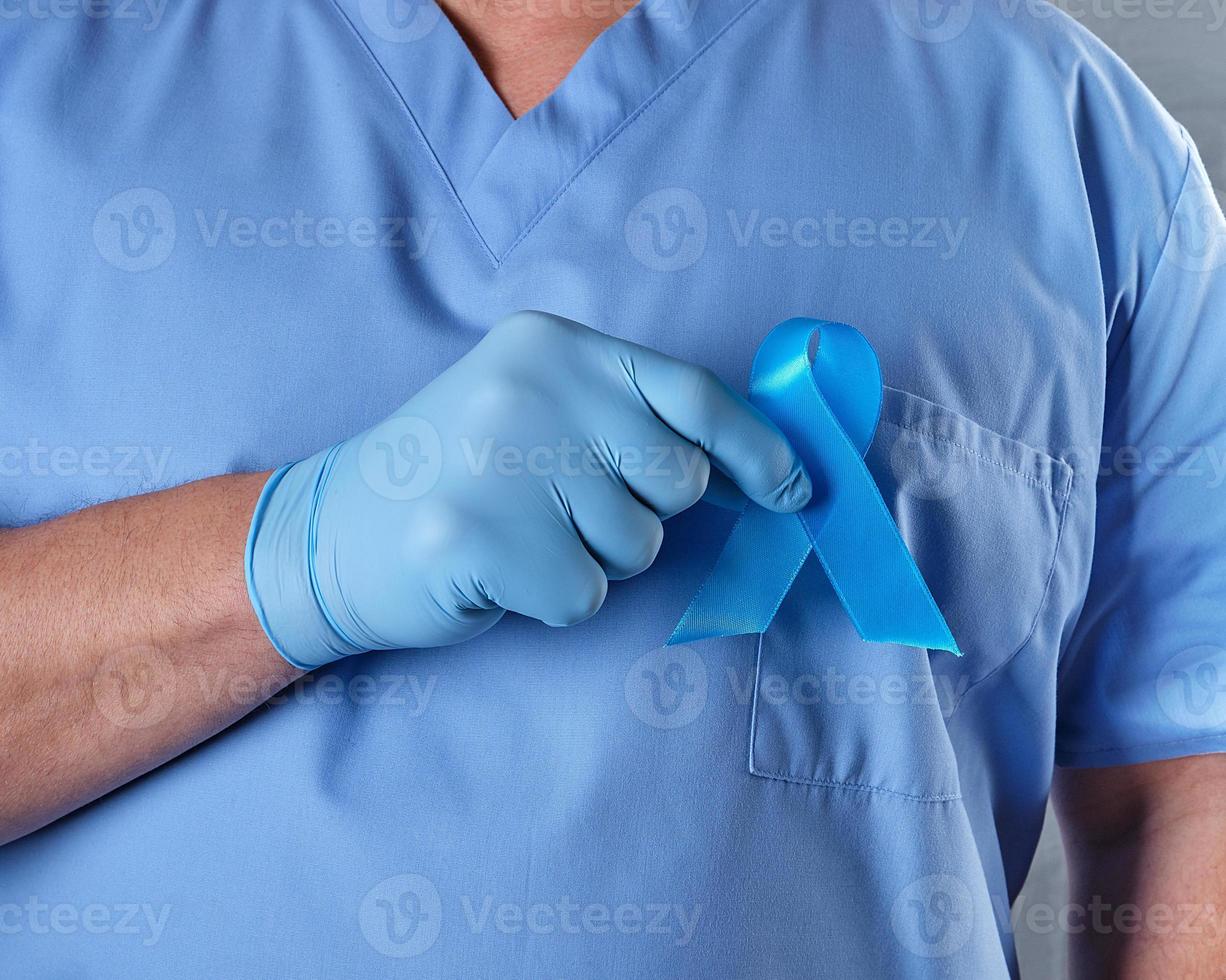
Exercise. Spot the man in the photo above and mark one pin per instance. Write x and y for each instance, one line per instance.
(238, 236)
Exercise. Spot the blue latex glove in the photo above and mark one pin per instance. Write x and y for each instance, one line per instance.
(523, 478)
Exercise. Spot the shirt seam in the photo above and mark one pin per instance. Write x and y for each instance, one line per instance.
(1134, 746)
(421, 136)
(1138, 311)
(1066, 648)
(623, 126)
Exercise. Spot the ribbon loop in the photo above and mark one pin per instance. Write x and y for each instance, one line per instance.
(820, 383)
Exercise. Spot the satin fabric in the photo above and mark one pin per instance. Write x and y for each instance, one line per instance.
(821, 384)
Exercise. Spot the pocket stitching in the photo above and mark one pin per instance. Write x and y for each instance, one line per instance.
(826, 783)
(1063, 495)
(1026, 477)
(1038, 615)
(855, 787)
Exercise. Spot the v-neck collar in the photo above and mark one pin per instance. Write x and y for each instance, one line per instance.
(506, 173)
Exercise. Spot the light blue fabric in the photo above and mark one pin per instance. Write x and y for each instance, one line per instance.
(325, 209)
(820, 382)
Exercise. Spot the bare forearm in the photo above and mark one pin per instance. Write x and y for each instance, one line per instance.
(1148, 865)
(126, 637)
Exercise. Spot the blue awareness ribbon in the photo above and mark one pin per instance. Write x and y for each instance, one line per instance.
(820, 383)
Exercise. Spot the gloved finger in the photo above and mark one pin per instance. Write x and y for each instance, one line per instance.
(457, 617)
(543, 571)
(665, 471)
(740, 440)
(618, 531)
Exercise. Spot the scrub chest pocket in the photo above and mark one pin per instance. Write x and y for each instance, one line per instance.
(983, 515)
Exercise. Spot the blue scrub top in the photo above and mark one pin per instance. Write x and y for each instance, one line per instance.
(232, 233)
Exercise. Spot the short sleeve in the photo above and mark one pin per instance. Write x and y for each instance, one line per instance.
(1143, 676)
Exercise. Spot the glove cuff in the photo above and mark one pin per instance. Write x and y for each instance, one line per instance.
(280, 567)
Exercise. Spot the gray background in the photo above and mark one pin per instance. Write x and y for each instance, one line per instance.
(1178, 47)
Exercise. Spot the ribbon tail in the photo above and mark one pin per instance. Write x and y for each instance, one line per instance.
(873, 573)
(754, 572)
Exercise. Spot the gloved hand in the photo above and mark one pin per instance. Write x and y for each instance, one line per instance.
(523, 478)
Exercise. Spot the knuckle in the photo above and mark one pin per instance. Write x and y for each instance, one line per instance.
(641, 544)
(702, 376)
(504, 395)
(581, 598)
(514, 324)
(648, 549)
(531, 326)
(693, 481)
(702, 387)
